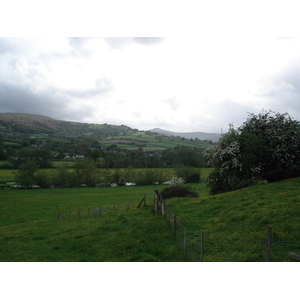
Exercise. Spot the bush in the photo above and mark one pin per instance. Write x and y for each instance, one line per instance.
(189, 174)
(220, 182)
(42, 178)
(147, 177)
(178, 190)
(266, 147)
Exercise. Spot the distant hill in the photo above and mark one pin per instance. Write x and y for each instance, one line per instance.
(214, 137)
(20, 128)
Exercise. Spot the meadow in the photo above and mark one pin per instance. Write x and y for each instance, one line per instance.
(234, 223)
(31, 231)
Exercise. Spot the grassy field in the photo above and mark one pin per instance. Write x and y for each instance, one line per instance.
(31, 231)
(234, 223)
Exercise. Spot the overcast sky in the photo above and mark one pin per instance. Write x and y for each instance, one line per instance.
(176, 83)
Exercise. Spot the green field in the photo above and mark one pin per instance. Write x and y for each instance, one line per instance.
(31, 231)
(234, 223)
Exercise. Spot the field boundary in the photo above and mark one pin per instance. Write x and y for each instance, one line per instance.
(87, 212)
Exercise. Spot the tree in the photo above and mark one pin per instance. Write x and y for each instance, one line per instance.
(42, 157)
(266, 146)
(95, 154)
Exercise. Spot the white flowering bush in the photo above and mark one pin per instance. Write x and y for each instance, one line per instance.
(264, 147)
(176, 180)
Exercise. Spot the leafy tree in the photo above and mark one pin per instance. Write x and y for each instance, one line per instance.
(266, 146)
(95, 154)
(86, 172)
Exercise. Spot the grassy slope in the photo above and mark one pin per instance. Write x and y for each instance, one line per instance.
(235, 223)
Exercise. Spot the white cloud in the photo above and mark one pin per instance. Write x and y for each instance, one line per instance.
(181, 84)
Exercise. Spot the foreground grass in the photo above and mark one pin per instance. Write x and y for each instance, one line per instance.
(235, 223)
(31, 231)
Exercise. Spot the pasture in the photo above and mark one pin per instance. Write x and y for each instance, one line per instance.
(31, 231)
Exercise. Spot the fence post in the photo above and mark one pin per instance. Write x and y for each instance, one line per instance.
(175, 226)
(162, 205)
(155, 201)
(184, 242)
(202, 246)
(268, 243)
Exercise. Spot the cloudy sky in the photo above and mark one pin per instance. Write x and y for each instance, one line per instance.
(175, 83)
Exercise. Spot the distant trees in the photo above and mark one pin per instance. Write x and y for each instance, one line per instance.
(266, 146)
(42, 157)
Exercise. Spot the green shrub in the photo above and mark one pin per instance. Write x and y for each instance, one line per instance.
(189, 174)
(178, 190)
(147, 177)
(42, 178)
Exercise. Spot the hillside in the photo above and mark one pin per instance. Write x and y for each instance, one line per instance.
(18, 128)
(235, 223)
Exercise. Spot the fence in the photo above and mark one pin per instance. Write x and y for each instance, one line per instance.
(218, 248)
(95, 211)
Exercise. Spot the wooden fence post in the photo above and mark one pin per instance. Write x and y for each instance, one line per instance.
(155, 201)
(202, 246)
(184, 242)
(268, 243)
(175, 226)
(162, 205)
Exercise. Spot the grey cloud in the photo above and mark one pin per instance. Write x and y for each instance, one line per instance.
(121, 42)
(6, 46)
(54, 103)
(19, 99)
(148, 40)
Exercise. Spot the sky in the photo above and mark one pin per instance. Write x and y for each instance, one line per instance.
(176, 83)
(198, 76)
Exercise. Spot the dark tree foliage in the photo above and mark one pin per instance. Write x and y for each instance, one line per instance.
(266, 146)
(42, 157)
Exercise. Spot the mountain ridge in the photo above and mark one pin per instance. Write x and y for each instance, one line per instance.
(214, 137)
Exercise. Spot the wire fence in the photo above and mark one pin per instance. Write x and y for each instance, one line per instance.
(202, 246)
(113, 207)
